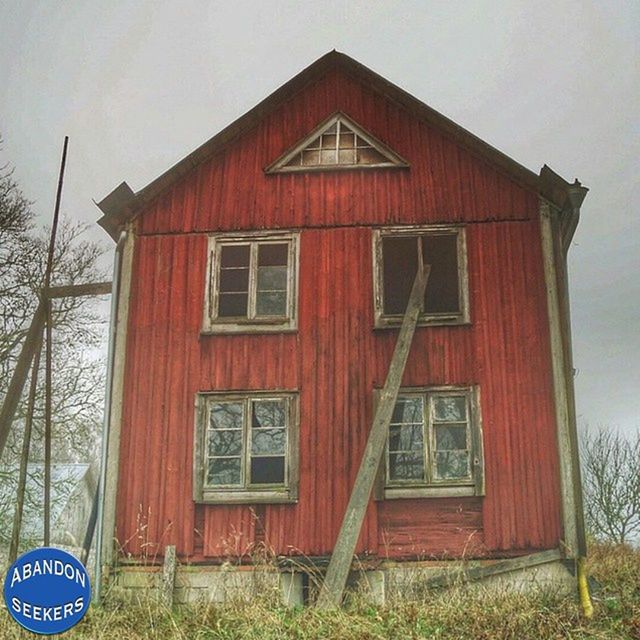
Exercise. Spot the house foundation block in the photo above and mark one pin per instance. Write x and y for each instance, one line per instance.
(386, 584)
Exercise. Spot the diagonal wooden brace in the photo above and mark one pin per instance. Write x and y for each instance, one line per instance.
(335, 581)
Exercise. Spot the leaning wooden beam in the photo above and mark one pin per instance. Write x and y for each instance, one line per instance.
(24, 458)
(450, 577)
(20, 373)
(334, 584)
(77, 290)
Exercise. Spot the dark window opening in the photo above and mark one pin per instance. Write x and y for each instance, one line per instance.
(400, 265)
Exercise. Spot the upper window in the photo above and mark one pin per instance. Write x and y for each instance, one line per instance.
(435, 444)
(246, 447)
(396, 257)
(251, 283)
(337, 143)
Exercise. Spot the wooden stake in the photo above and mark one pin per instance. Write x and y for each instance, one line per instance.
(334, 584)
(168, 575)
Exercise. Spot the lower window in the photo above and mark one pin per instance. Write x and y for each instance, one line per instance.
(246, 447)
(434, 446)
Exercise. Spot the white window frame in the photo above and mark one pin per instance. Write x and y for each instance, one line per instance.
(212, 323)
(431, 487)
(248, 494)
(383, 320)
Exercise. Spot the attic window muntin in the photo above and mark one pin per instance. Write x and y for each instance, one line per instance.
(395, 254)
(338, 143)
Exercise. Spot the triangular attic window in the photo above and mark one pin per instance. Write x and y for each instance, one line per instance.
(338, 143)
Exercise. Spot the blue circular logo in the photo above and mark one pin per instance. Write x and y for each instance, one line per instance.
(47, 590)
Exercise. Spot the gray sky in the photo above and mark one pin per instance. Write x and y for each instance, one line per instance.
(139, 84)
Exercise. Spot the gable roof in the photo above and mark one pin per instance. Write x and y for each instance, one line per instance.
(122, 204)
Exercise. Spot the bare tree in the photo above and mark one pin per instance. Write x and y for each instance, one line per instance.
(611, 479)
(78, 330)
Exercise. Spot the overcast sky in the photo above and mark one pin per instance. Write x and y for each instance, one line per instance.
(137, 85)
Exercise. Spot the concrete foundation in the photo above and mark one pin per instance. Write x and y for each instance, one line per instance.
(389, 582)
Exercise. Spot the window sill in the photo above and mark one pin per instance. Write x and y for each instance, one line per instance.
(249, 327)
(247, 497)
(394, 493)
(394, 322)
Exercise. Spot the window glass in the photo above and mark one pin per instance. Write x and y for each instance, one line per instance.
(406, 444)
(224, 443)
(247, 448)
(252, 284)
(268, 442)
(432, 446)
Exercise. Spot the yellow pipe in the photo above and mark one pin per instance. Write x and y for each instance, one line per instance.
(583, 588)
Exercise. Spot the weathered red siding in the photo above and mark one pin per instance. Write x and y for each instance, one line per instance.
(336, 358)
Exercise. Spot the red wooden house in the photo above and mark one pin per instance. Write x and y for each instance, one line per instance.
(261, 284)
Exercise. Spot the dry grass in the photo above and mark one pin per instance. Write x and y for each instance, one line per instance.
(455, 614)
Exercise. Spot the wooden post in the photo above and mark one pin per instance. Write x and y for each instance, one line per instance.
(168, 575)
(49, 351)
(24, 459)
(335, 581)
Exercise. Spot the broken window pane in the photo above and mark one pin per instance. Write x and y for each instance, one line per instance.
(273, 254)
(232, 305)
(450, 408)
(406, 466)
(224, 471)
(267, 470)
(400, 264)
(234, 280)
(226, 415)
(441, 253)
(451, 465)
(236, 255)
